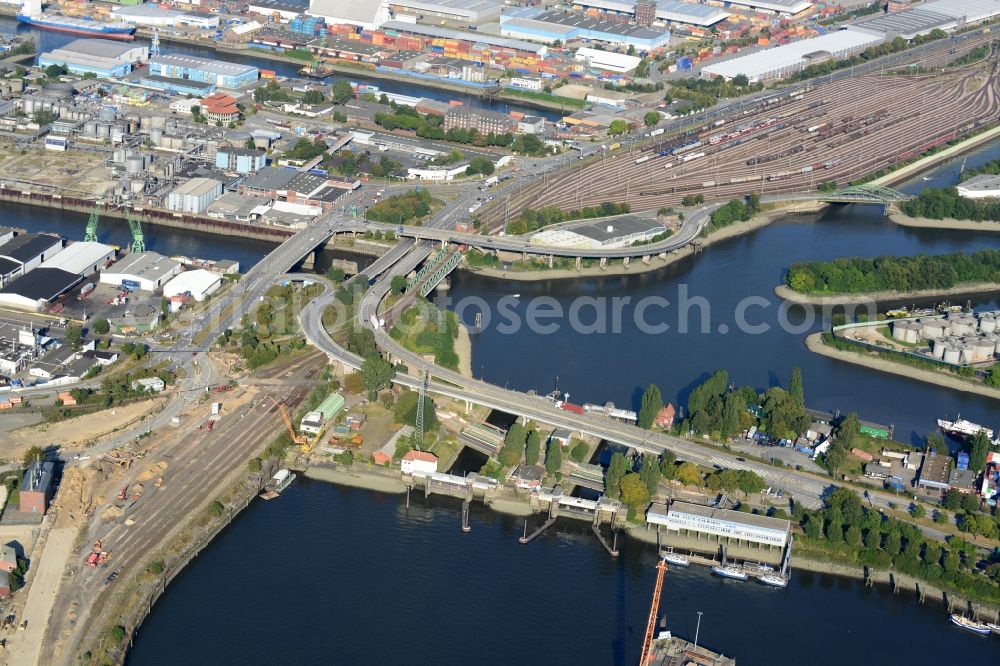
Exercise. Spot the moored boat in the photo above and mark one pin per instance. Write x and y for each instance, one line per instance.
(278, 483)
(676, 559)
(734, 573)
(962, 428)
(969, 625)
(774, 580)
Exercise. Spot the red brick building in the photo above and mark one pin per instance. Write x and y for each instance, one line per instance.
(37, 487)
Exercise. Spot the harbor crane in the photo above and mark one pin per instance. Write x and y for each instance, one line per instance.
(138, 240)
(647, 640)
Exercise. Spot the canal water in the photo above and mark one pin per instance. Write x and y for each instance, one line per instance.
(47, 40)
(332, 575)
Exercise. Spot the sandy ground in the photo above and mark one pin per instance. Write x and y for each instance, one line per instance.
(946, 223)
(79, 170)
(787, 293)
(41, 596)
(463, 347)
(358, 479)
(815, 344)
(637, 266)
(512, 507)
(14, 420)
(76, 431)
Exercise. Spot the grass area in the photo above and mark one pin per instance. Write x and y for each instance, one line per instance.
(299, 54)
(425, 329)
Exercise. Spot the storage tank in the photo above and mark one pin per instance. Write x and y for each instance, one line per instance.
(134, 165)
(962, 326)
(932, 329)
(103, 130)
(906, 331)
(138, 186)
(29, 106)
(107, 114)
(938, 348)
(985, 348)
(118, 155)
(988, 322)
(159, 122)
(952, 354)
(132, 123)
(117, 133)
(90, 128)
(156, 136)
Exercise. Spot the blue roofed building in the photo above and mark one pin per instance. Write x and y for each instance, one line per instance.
(240, 160)
(185, 68)
(549, 26)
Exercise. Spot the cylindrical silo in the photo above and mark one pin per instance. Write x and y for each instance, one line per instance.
(988, 322)
(156, 136)
(952, 354)
(103, 130)
(90, 128)
(159, 122)
(938, 348)
(134, 165)
(138, 185)
(107, 114)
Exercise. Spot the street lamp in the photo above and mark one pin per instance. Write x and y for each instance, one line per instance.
(697, 629)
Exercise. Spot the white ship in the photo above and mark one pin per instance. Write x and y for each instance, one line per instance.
(774, 580)
(675, 559)
(962, 428)
(730, 572)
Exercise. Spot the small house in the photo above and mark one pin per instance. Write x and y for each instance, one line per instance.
(561, 435)
(381, 458)
(5, 584)
(665, 417)
(528, 477)
(419, 462)
(8, 556)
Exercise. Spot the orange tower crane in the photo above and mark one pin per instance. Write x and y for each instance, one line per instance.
(647, 641)
(299, 439)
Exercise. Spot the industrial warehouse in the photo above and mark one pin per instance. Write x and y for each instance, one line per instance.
(105, 58)
(668, 11)
(552, 26)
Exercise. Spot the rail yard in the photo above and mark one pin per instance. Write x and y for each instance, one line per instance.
(789, 142)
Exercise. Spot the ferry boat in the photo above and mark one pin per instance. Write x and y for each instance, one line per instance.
(774, 580)
(969, 625)
(676, 559)
(31, 14)
(730, 572)
(278, 483)
(962, 428)
(317, 71)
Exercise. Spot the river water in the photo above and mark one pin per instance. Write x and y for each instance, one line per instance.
(331, 575)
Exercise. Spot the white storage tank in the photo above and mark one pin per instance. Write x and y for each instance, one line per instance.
(107, 114)
(906, 331)
(952, 354)
(156, 136)
(134, 165)
(103, 130)
(962, 326)
(138, 186)
(90, 128)
(159, 122)
(988, 322)
(938, 348)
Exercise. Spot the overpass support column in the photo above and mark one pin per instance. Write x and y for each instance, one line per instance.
(468, 406)
(444, 244)
(625, 261)
(550, 261)
(604, 263)
(524, 256)
(646, 259)
(663, 256)
(578, 262)
(310, 260)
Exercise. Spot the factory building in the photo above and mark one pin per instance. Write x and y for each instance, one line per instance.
(195, 195)
(668, 11)
(149, 270)
(34, 290)
(965, 11)
(105, 58)
(281, 11)
(607, 60)
(463, 11)
(368, 14)
(37, 488)
(438, 32)
(199, 20)
(82, 258)
(240, 160)
(721, 523)
(551, 26)
(983, 186)
(25, 252)
(483, 121)
(220, 107)
(935, 472)
(197, 283)
(190, 68)
(777, 7)
(788, 59)
(148, 15)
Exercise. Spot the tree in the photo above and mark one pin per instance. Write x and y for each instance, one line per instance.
(533, 447)
(313, 97)
(617, 127)
(853, 536)
(553, 458)
(405, 411)
(633, 491)
(398, 284)
(652, 403)
(34, 454)
(732, 408)
(376, 373)
(795, 386)
(342, 92)
(893, 542)
(952, 499)
(74, 334)
(979, 447)
(918, 511)
(650, 473)
(481, 165)
(101, 326)
(513, 445)
(668, 463)
(970, 503)
(813, 527)
(616, 470)
(689, 474)
(651, 118)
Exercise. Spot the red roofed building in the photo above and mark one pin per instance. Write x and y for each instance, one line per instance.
(665, 417)
(381, 458)
(220, 107)
(419, 462)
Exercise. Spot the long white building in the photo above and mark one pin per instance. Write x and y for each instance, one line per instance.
(723, 523)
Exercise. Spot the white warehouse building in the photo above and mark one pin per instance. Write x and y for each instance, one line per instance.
(81, 258)
(199, 283)
(789, 59)
(150, 270)
(195, 195)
